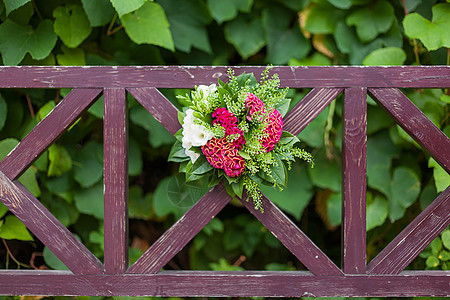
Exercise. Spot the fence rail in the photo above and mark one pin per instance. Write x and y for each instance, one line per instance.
(383, 276)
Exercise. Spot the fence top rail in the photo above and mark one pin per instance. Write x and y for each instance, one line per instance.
(189, 76)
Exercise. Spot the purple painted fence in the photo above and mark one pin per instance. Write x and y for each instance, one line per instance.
(383, 276)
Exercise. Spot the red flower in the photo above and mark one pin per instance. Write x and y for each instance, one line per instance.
(222, 154)
(273, 129)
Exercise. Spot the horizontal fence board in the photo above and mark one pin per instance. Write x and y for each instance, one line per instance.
(230, 284)
(188, 76)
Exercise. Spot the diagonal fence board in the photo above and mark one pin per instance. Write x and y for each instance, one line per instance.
(415, 123)
(47, 228)
(308, 108)
(354, 157)
(399, 253)
(293, 238)
(47, 131)
(115, 140)
(159, 106)
(186, 228)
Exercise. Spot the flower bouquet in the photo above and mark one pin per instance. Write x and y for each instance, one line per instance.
(233, 132)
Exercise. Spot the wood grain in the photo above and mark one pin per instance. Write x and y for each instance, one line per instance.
(308, 108)
(414, 238)
(225, 284)
(354, 161)
(189, 76)
(47, 228)
(415, 123)
(293, 238)
(186, 228)
(115, 141)
(47, 131)
(159, 106)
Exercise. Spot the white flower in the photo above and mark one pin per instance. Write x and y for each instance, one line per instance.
(207, 89)
(193, 155)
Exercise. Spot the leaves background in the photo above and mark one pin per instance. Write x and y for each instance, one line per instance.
(402, 179)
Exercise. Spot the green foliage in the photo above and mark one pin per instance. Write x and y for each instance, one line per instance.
(67, 178)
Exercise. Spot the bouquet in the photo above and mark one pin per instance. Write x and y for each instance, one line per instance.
(233, 132)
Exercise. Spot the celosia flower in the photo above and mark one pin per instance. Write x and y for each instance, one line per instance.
(228, 120)
(254, 106)
(273, 130)
(222, 154)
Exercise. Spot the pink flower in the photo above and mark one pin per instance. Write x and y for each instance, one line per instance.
(222, 154)
(228, 120)
(273, 129)
(254, 105)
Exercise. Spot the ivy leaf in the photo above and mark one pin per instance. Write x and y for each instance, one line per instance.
(390, 56)
(446, 239)
(148, 25)
(247, 36)
(90, 201)
(60, 161)
(71, 25)
(3, 112)
(434, 34)
(371, 21)
(405, 188)
(99, 12)
(52, 260)
(327, 173)
(432, 261)
(441, 177)
(377, 212)
(139, 206)
(28, 179)
(320, 18)
(71, 57)
(11, 5)
(135, 162)
(228, 10)
(13, 229)
(125, 7)
(188, 19)
(284, 41)
(17, 40)
(88, 169)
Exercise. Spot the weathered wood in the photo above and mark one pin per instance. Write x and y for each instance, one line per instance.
(308, 108)
(159, 106)
(189, 76)
(293, 238)
(186, 228)
(115, 140)
(47, 131)
(414, 238)
(47, 228)
(415, 123)
(354, 178)
(225, 284)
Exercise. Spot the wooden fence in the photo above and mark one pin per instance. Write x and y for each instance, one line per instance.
(383, 276)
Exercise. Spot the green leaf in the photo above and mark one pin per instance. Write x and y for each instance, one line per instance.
(313, 133)
(228, 10)
(446, 239)
(28, 179)
(444, 255)
(17, 40)
(377, 212)
(65, 212)
(247, 36)
(327, 173)
(441, 177)
(11, 5)
(125, 7)
(390, 56)
(6, 146)
(188, 19)
(3, 210)
(60, 160)
(99, 12)
(201, 166)
(90, 201)
(71, 57)
(88, 167)
(71, 25)
(135, 162)
(13, 229)
(52, 260)
(3, 112)
(295, 197)
(316, 59)
(434, 34)
(139, 206)
(334, 209)
(405, 188)
(321, 18)
(284, 39)
(432, 261)
(371, 21)
(45, 110)
(148, 25)
(342, 4)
